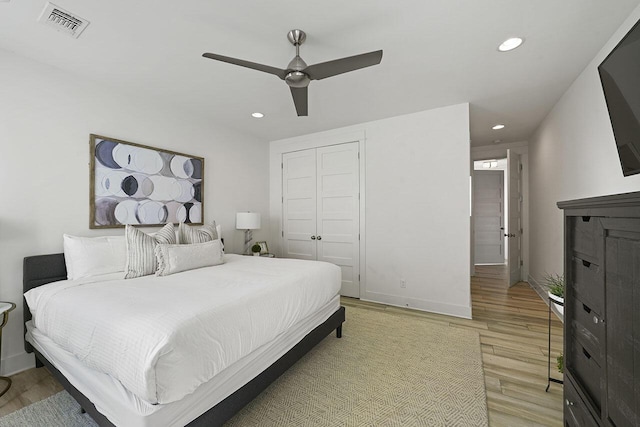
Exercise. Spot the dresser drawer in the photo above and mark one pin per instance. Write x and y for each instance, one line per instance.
(585, 238)
(586, 371)
(587, 283)
(588, 328)
(576, 413)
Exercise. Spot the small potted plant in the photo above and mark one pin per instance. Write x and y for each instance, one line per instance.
(256, 249)
(560, 360)
(555, 287)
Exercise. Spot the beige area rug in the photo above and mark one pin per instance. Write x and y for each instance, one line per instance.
(386, 370)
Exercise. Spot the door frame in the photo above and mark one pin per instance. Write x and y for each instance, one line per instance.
(276, 150)
(497, 151)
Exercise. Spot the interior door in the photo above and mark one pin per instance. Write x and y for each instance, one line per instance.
(321, 209)
(299, 204)
(488, 213)
(514, 208)
(338, 212)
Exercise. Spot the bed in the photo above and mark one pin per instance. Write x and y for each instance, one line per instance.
(201, 401)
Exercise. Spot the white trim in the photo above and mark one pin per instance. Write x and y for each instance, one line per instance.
(277, 149)
(17, 363)
(462, 311)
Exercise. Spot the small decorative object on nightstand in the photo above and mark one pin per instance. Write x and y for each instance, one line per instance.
(264, 249)
(255, 249)
(5, 308)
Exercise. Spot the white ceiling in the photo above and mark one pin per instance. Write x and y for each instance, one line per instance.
(436, 53)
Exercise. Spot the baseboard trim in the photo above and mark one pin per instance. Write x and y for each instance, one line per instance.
(18, 363)
(419, 304)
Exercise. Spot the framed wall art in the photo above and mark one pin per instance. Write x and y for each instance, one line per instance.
(141, 185)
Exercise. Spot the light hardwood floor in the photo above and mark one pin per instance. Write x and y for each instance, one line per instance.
(512, 323)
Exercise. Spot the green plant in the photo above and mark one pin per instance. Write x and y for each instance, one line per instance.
(555, 284)
(560, 360)
(255, 248)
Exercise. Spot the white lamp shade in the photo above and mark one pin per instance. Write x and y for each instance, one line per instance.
(247, 221)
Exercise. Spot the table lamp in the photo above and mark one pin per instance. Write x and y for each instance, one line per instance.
(247, 221)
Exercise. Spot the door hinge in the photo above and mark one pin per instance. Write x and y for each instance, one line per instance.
(520, 167)
(358, 236)
(282, 233)
(358, 277)
(281, 165)
(521, 263)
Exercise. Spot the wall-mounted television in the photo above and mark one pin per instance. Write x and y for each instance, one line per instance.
(620, 77)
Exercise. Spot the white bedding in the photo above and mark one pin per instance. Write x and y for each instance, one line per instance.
(162, 337)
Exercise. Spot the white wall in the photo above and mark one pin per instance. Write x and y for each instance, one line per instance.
(47, 116)
(416, 207)
(573, 155)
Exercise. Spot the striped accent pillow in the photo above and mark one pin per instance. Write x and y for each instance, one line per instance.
(188, 234)
(141, 256)
(176, 258)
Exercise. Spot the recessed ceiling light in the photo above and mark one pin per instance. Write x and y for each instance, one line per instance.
(510, 44)
(498, 127)
(257, 115)
(497, 141)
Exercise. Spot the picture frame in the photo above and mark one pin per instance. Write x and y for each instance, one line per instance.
(264, 249)
(141, 185)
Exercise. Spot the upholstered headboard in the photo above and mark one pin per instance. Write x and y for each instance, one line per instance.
(39, 270)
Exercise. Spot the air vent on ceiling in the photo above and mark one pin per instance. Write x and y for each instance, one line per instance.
(62, 20)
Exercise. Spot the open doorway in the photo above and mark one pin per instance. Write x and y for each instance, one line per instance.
(497, 216)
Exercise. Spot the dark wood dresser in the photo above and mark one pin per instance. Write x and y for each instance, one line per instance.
(602, 311)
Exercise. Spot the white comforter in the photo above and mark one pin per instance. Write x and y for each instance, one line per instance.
(161, 337)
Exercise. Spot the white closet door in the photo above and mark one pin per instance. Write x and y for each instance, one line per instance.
(338, 212)
(320, 207)
(299, 204)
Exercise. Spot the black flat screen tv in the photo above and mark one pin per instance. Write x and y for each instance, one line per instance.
(620, 77)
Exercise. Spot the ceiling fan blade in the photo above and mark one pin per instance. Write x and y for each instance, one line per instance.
(300, 99)
(338, 66)
(253, 65)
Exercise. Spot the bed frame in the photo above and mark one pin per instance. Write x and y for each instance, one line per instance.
(42, 269)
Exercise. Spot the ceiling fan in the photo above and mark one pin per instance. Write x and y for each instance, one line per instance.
(298, 74)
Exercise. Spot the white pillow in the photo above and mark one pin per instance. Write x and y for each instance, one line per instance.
(93, 256)
(188, 234)
(176, 258)
(141, 258)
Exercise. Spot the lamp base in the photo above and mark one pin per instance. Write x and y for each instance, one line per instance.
(248, 236)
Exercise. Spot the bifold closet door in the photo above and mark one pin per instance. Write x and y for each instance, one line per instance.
(321, 209)
(299, 204)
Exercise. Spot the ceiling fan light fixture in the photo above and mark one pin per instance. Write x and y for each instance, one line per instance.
(510, 44)
(257, 115)
(297, 79)
(498, 127)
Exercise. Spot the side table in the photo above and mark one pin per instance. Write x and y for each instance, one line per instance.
(549, 379)
(5, 308)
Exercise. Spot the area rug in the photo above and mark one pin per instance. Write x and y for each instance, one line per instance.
(387, 370)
